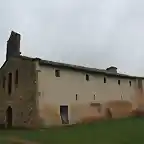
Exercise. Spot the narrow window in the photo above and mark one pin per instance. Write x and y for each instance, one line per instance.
(4, 80)
(130, 83)
(104, 79)
(16, 77)
(20, 97)
(9, 83)
(57, 73)
(76, 97)
(87, 77)
(30, 111)
(119, 82)
(94, 97)
(139, 83)
(121, 97)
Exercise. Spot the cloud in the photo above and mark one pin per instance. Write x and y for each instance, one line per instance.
(85, 32)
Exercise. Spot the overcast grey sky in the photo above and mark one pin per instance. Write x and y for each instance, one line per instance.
(95, 33)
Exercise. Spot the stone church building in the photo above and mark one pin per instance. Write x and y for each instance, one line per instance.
(36, 92)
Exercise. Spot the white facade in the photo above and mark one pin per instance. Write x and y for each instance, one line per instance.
(72, 89)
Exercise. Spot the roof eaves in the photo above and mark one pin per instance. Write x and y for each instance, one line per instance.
(81, 68)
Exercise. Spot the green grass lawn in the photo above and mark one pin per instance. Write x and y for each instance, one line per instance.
(123, 131)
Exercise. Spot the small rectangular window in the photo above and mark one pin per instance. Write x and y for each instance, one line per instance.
(130, 83)
(87, 77)
(94, 97)
(119, 82)
(16, 77)
(57, 73)
(4, 80)
(104, 79)
(76, 97)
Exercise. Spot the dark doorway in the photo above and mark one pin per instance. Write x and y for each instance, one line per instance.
(108, 113)
(9, 117)
(64, 114)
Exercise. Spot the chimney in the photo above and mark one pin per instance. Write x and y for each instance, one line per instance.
(13, 45)
(112, 69)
